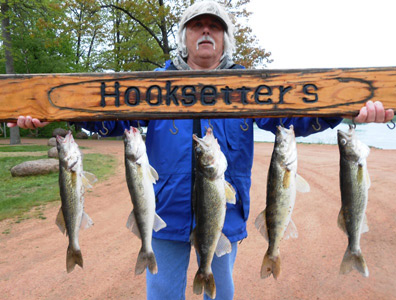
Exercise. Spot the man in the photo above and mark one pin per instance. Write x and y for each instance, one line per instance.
(205, 42)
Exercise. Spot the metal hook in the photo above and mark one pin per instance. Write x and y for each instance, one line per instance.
(319, 126)
(174, 126)
(353, 125)
(140, 128)
(106, 130)
(281, 122)
(210, 125)
(393, 127)
(245, 128)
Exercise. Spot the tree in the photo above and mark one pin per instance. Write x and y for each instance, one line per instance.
(9, 62)
(144, 33)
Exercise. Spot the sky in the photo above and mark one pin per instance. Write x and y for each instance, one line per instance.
(326, 33)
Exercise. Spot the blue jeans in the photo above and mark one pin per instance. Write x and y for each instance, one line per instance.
(172, 259)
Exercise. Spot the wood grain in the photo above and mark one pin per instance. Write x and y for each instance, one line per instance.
(195, 94)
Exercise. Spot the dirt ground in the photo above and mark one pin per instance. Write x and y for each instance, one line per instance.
(32, 254)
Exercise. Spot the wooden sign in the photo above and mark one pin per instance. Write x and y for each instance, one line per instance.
(193, 94)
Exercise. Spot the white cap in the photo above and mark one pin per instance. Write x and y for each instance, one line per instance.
(206, 8)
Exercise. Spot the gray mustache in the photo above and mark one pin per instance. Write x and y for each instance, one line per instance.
(206, 38)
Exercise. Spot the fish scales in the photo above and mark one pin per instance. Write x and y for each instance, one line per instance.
(211, 193)
(72, 183)
(140, 177)
(275, 222)
(354, 185)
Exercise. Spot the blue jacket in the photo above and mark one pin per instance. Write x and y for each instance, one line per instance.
(171, 156)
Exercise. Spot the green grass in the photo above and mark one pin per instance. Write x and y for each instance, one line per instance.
(18, 195)
(24, 148)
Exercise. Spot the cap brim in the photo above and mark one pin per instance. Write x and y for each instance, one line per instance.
(209, 14)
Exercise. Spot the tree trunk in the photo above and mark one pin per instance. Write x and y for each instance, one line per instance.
(5, 30)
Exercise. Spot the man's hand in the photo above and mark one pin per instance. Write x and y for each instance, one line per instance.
(374, 112)
(27, 123)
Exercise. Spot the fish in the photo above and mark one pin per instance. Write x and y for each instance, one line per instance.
(354, 185)
(143, 219)
(210, 194)
(73, 181)
(275, 222)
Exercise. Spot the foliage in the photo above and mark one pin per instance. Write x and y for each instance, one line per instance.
(144, 34)
(44, 132)
(53, 36)
(39, 45)
(20, 194)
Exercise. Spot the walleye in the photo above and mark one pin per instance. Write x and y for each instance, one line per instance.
(140, 177)
(354, 184)
(72, 183)
(211, 192)
(275, 223)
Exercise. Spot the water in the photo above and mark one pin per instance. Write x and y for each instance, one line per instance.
(373, 134)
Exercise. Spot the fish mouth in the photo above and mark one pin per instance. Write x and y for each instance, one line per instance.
(200, 141)
(346, 135)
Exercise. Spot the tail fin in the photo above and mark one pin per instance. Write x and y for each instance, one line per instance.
(73, 258)
(354, 261)
(206, 282)
(146, 259)
(270, 265)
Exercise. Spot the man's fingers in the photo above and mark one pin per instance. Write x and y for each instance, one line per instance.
(10, 125)
(362, 116)
(389, 114)
(21, 121)
(371, 112)
(37, 123)
(28, 123)
(379, 112)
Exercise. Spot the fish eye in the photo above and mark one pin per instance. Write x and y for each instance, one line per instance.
(343, 142)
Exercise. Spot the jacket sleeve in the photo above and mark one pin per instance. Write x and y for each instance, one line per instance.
(110, 128)
(303, 126)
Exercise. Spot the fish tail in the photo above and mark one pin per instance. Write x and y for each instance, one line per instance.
(270, 265)
(73, 258)
(354, 261)
(206, 282)
(146, 260)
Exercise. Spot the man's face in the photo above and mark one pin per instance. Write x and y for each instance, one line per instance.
(205, 38)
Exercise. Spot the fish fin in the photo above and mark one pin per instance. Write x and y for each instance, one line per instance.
(223, 246)
(86, 221)
(158, 223)
(152, 174)
(364, 227)
(73, 258)
(354, 261)
(261, 224)
(368, 180)
(341, 222)
(60, 221)
(204, 282)
(302, 185)
(132, 225)
(286, 179)
(230, 192)
(270, 265)
(88, 179)
(291, 231)
(192, 238)
(146, 260)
